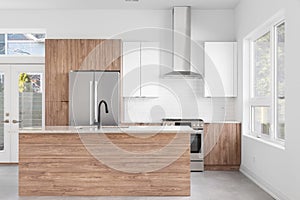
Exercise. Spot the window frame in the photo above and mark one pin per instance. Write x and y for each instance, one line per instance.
(276, 79)
(272, 101)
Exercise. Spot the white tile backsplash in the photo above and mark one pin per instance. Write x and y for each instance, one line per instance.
(179, 98)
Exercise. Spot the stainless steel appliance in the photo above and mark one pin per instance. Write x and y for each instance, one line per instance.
(197, 156)
(182, 44)
(86, 90)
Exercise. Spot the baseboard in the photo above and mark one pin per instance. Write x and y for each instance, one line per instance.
(276, 194)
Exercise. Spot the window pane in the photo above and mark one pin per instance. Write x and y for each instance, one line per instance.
(280, 39)
(30, 99)
(261, 119)
(26, 44)
(262, 66)
(2, 44)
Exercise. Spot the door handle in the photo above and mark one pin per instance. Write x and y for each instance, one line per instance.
(16, 121)
(5, 121)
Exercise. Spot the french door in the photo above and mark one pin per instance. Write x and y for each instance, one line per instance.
(21, 105)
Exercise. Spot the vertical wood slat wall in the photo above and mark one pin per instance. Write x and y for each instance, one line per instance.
(64, 55)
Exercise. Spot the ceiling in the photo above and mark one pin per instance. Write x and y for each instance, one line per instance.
(116, 4)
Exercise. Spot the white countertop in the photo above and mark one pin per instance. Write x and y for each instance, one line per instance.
(109, 129)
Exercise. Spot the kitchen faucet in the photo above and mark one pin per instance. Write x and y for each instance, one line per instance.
(99, 111)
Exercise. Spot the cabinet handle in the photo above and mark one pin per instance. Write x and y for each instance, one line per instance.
(5, 121)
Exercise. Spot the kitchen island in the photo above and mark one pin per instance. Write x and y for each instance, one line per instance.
(111, 161)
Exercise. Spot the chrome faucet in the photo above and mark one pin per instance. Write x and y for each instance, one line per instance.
(99, 111)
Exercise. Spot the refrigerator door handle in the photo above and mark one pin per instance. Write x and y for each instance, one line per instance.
(91, 104)
(95, 102)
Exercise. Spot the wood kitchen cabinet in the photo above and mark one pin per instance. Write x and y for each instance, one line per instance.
(220, 69)
(64, 55)
(140, 69)
(222, 146)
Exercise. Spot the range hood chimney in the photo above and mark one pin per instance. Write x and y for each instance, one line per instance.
(182, 44)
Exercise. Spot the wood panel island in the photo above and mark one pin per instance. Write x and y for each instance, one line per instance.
(111, 161)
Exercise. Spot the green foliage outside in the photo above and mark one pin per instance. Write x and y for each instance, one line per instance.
(24, 83)
(262, 65)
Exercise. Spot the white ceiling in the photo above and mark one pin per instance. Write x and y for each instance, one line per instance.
(116, 4)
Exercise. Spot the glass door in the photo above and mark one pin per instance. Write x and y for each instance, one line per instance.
(26, 105)
(4, 113)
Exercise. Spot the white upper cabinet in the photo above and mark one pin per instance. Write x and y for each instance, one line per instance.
(131, 69)
(150, 59)
(220, 69)
(140, 69)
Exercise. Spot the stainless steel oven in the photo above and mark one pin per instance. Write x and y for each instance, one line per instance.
(197, 163)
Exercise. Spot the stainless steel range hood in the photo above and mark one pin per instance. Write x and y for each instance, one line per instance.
(182, 44)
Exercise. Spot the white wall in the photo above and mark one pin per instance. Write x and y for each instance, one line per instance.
(274, 169)
(130, 25)
(185, 98)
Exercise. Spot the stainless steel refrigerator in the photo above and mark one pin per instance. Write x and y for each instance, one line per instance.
(86, 90)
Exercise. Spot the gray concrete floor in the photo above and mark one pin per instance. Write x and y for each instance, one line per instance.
(205, 186)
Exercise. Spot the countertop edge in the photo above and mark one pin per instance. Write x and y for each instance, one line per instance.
(86, 130)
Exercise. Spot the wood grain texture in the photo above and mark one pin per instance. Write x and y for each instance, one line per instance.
(225, 140)
(64, 55)
(60, 165)
(57, 112)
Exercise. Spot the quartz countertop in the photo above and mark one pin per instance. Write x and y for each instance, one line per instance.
(108, 129)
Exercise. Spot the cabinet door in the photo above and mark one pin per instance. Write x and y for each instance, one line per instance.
(150, 59)
(131, 69)
(222, 145)
(220, 69)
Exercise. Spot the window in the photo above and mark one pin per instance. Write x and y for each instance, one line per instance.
(267, 82)
(262, 66)
(28, 44)
(2, 44)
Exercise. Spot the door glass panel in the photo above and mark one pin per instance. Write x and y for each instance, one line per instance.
(1, 111)
(30, 99)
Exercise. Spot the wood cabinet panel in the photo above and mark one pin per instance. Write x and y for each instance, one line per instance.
(222, 146)
(57, 113)
(61, 165)
(64, 55)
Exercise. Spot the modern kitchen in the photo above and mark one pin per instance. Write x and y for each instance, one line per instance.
(139, 99)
